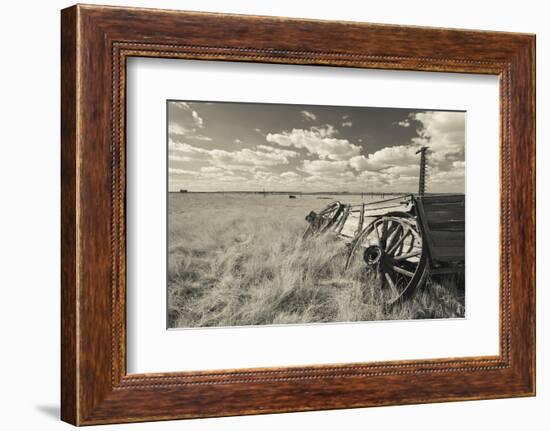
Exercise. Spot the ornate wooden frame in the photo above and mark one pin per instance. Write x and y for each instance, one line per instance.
(96, 41)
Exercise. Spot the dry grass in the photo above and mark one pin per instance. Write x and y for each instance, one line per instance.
(237, 262)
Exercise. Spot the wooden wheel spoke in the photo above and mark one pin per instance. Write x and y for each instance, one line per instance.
(408, 255)
(395, 233)
(399, 242)
(391, 284)
(403, 271)
(391, 227)
(411, 245)
(400, 250)
(377, 233)
(415, 231)
(384, 230)
(390, 232)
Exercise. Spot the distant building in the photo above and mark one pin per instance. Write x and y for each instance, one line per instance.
(183, 190)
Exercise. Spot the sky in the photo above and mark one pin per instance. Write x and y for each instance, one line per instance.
(226, 146)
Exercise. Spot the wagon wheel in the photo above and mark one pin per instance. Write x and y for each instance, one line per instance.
(392, 246)
(319, 223)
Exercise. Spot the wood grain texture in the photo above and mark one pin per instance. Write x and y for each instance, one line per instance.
(96, 41)
(68, 218)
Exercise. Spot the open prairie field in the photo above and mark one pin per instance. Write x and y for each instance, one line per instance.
(239, 259)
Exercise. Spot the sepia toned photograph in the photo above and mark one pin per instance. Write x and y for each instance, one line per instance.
(303, 214)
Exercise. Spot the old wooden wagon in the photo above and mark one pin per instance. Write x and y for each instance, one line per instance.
(401, 239)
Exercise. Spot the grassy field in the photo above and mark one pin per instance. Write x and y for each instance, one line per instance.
(238, 259)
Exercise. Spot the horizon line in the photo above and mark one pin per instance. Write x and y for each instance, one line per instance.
(183, 191)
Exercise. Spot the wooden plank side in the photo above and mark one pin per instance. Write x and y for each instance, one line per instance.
(444, 213)
(442, 199)
(448, 253)
(441, 218)
(446, 225)
(447, 238)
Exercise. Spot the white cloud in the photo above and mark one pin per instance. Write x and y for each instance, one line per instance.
(308, 116)
(290, 175)
(315, 179)
(212, 169)
(177, 171)
(459, 164)
(238, 141)
(200, 137)
(347, 123)
(245, 158)
(400, 155)
(444, 133)
(451, 179)
(177, 129)
(182, 105)
(279, 151)
(403, 170)
(317, 140)
(404, 123)
(205, 174)
(324, 167)
(263, 176)
(199, 122)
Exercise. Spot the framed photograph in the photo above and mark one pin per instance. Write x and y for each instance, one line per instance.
(265, 215)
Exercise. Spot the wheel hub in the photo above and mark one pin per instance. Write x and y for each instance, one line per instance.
(372, 255)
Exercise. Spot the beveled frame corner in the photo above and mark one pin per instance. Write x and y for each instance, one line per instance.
(96, 42)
